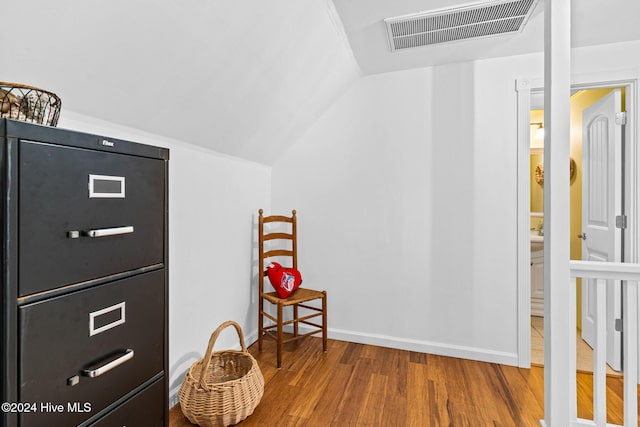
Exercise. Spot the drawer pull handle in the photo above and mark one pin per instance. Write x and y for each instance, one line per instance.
(108, 231)
(112, 363)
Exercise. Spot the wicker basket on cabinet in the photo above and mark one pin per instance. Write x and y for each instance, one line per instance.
(29, 104)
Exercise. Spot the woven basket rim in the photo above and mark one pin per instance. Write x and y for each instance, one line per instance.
(198, 364)
(23, 86)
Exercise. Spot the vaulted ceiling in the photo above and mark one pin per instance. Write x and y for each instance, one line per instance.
(244, 78)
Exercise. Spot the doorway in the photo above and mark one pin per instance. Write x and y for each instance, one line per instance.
(583, 95)
(586, 104)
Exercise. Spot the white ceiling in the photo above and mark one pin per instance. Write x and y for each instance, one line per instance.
(245, 78)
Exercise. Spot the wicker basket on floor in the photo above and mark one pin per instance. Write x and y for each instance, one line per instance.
(224, 387)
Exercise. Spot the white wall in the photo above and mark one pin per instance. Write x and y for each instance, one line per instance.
(401, 219)
(213, 201)
(343, 179)
(406, 193)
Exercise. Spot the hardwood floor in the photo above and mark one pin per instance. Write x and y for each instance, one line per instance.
(360, 385)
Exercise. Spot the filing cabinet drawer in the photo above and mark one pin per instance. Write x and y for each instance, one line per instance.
(144, 409)
(90, 347)
(86, 214)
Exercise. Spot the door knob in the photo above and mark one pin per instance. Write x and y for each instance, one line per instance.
(582, 236)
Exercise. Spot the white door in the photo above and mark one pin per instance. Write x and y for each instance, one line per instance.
(601, 202)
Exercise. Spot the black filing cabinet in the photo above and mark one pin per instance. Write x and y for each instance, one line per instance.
(84, 279)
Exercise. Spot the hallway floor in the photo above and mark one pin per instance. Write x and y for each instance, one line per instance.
(584, 360)
(362, 385)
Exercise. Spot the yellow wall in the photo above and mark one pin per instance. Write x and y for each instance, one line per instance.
(536, 191)
(579, 102)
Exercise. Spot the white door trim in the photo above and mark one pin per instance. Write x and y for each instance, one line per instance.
(524, 87)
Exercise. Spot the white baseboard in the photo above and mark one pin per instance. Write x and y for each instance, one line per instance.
(250, 338)
(429, 347)
(173, 397)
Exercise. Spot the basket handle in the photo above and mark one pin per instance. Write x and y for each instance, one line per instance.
(212, 341)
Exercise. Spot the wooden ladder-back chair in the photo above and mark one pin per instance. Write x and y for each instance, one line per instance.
(285, 248)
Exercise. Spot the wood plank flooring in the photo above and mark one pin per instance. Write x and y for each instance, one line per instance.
(360, 385)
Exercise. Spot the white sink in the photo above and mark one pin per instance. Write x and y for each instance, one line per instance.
(537, 241)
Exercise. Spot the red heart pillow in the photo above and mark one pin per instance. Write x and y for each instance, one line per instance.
(284, 280)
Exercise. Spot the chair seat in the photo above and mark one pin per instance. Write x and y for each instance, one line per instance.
(300, 295)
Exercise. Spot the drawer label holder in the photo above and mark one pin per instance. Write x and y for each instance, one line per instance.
(106, 187)
(97, 318)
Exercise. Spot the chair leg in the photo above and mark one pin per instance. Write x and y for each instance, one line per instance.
(324, 321)
(280, 337)
(260, 323)
(295, 318)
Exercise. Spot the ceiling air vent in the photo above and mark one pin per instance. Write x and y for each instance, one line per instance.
(489, 18)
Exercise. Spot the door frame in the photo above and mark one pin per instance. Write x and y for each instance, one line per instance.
(525, 87)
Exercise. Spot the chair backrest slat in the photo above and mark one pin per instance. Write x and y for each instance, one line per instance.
(269, 251)
(272, 236)
(277, 218)
(277, 252)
